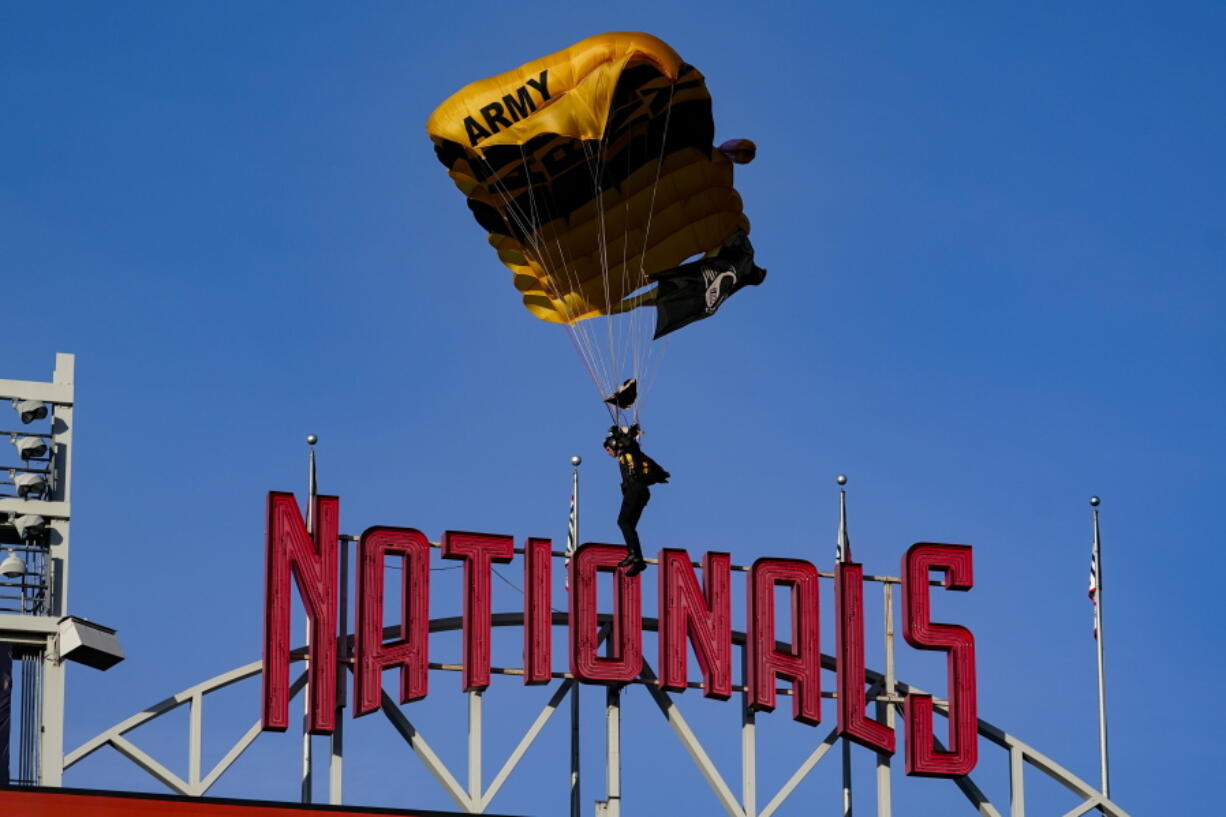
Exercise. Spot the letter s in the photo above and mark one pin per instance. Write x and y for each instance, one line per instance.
(924, 759)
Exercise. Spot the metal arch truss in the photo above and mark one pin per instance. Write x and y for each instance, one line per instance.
(474, 797)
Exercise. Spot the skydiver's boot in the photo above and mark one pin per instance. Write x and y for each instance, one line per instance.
(634, 561)
(634, 555)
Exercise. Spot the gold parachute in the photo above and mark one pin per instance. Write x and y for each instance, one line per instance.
(591, 169)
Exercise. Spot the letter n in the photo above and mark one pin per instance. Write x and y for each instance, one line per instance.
(705, 618)
(409, 652)
(312, 561)
(800, 662)
(924, 759)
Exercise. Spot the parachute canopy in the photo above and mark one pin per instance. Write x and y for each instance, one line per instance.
(591, 169)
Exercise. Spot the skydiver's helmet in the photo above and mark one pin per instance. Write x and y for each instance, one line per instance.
(615, 442)
(618, 439)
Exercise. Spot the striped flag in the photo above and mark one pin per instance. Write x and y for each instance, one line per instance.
(572, 533)
(571, 544)
(1094, 584)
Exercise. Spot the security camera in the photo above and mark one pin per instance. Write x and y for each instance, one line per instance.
(30, 448)
(29, 526)
(29, 486)
(13, 566)
(30, 410)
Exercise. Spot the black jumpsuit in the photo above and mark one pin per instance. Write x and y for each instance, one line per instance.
(638, 471)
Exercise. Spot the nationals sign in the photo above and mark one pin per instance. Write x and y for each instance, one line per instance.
(693, 615)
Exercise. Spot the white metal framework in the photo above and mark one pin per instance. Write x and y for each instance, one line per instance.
(469, 791)
(30, 488)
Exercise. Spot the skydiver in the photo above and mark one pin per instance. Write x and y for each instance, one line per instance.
(638, 471)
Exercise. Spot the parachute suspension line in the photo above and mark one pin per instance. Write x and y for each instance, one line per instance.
(596, 171)
(583, 356)
(533, 222)
(602, 378)
(530, 225)
(581, 334)
(630, 279)
(619, 337)
(629, 282)
(625, 334)
(651, 211)
(614, 340)
(633, 317)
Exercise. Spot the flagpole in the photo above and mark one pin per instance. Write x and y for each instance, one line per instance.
(842, 548)
(842, 554)
(1102, 677)
(307, 761)
(572, 542)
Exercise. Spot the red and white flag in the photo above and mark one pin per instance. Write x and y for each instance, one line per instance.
(1094, 584)
(571, 535)
(571, 544)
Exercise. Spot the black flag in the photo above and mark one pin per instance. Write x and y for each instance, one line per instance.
(696, 290)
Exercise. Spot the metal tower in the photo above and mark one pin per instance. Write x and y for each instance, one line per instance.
(36, 633)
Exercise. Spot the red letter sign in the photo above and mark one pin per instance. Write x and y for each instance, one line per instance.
(923, 758)
(313, 564)
(849, 604)
(626, 640)
(705, 617)
(802, 664)
(410, 652)
(477, 550)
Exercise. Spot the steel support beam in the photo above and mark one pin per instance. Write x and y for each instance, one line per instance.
(884, 710)
(613, 751)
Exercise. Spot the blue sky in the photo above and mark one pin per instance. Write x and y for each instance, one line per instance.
(996, 241)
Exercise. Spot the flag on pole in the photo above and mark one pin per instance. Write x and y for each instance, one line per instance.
(571, 544)
(572, 533)
(1096, 600)
(1094, 584)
